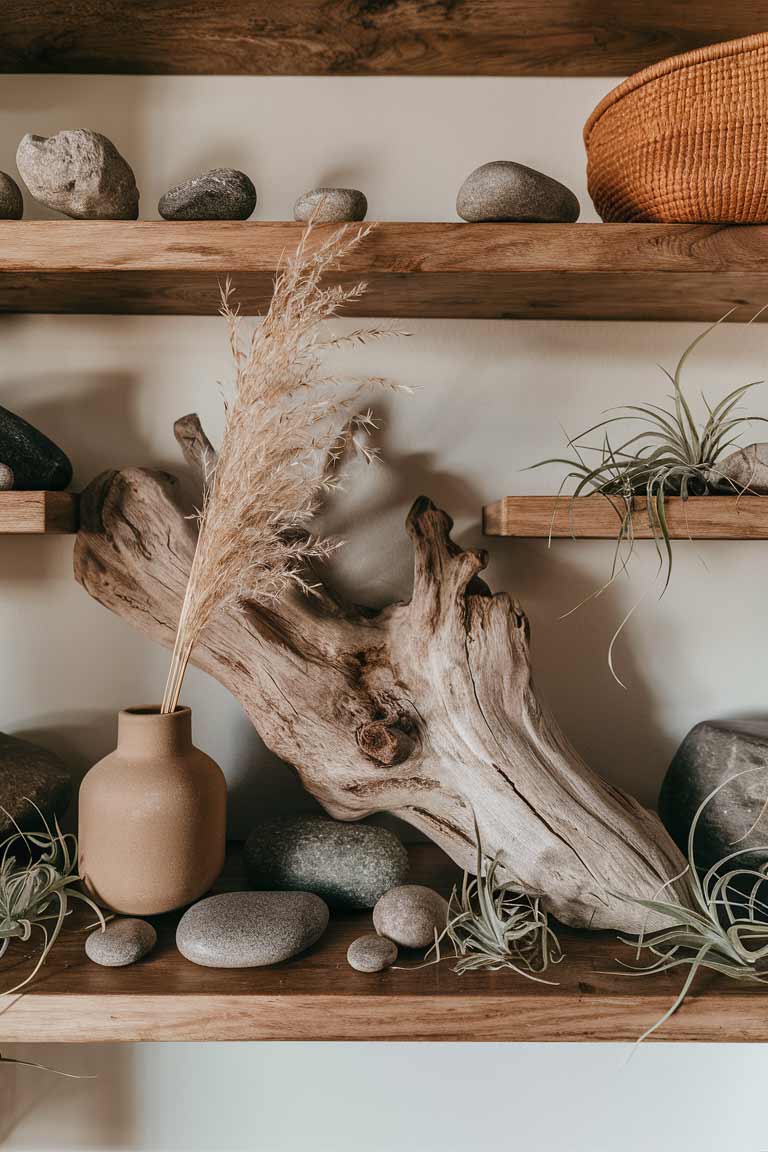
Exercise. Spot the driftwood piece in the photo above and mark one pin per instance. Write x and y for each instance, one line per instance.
(425, 709)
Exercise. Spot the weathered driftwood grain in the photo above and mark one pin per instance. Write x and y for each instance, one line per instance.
(425, 709)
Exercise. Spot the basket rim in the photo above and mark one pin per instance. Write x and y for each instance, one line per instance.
(684, 60)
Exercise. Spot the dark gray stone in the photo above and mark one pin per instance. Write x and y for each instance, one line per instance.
(250, 929)
(79, 173)
(371, 953)
(505, 190)
(713, 752)
(122, 942)
(333, 205)
(11, 202)
(349, 865)
(36, 462)
(410, 915)
(30, 778)
(222, 194)
(6, 478)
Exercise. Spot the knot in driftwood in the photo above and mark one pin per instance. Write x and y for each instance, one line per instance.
(384, 743)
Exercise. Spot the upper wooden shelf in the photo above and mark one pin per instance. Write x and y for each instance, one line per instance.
(593, 518)
(363, 37)
(317, 996)
(38, 512)
(496, 271)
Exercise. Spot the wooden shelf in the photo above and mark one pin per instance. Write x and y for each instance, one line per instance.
(318, 997)
(593, 518)
(503, 271)
(38, 512)
(335, 37)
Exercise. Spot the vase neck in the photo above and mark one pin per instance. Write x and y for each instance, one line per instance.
(145, 732)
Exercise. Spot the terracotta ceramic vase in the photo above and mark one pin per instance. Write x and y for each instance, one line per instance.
(152, 821)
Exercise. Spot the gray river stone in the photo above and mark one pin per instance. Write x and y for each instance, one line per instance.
(6, 478)
(746, 468)
(122, 942)
(334, 205)
(11, 202)
(250, 929)
(371, 953)
(221, 194)
(79, 173)
(410, 915)
(31, 778)
(36, 462)
(350, 865)
(505, 190)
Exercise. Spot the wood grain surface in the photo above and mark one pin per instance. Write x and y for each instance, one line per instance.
(594, 518)
(38, 512)
(502, 271)
(364, 37)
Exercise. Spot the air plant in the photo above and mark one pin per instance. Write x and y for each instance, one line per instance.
(671, 455)
(726, 927)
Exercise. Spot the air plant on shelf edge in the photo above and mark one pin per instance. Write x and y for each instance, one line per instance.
(672, 455)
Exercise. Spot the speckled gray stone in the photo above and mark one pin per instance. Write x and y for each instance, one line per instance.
(6, 478)
(410, 915)
(11, 202)
(350, 865)
(505, 190)
(37, 462)
(30, 778)
(250, 929)
(334, 205)
(122, 942)
(371, 953)
(221, 194)
(79, 173)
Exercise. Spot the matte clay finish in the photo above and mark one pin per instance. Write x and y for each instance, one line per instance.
(152, 817)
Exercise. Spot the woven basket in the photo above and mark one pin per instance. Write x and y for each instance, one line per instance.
(685, 140)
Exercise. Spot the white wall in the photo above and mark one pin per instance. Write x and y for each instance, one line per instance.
(490, 399)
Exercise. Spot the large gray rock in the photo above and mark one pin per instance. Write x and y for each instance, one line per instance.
(349, 865)
(410, 915)
(746, 468)
(505, 190)
(30, 778)
(11, 202)
(250, 929)
(79, 173)
(221, 194)
(371, 953)
(713, 752)
(333, 205)
(36, 462)
(122, 942)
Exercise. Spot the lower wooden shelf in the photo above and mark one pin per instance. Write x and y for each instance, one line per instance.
(317, 996)
(38, 512)
(596, 518)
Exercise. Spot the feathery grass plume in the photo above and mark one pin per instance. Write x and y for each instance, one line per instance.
(726, 929)
(287, 426)
(672, 454)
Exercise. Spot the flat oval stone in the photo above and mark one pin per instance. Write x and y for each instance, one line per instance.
(31, 778)
(79, 173)
(371, 953)
(250, 929)
(350, 865)
(221, 194)
(505, 190)
(11, 201)
(334, 205)
(122, 942)
(36, 462)
(410, 915)
(746, 468)
(6, 478)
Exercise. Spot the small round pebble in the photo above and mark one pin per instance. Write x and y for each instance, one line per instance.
(6, 478)
(410, 915)
(371, 953)
(333, 205)
(122, 942)
(221, 194)
(11, 203)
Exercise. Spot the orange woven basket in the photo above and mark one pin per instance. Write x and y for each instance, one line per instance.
(686, 139)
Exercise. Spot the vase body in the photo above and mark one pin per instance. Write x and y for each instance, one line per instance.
(152, 817)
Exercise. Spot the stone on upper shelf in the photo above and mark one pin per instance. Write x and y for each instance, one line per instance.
(250, 929)
(221, 194)
(35, 786)
(331, 205)
(11, 202)
(507, 191)
(79, 173)
(36, 462)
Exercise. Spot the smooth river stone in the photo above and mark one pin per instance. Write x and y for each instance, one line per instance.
(221, 194)
(334, 205)
(30, 778)
(371, 953)
(122, 942)
(36, 462)
(713, 752)
(79, 173)
(6, 478)
(350, 865)
(410, 915)
(504, 190)
(250, 929)
(11, 202)
(744, 468)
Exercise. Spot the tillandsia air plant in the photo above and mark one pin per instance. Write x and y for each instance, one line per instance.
(726, 927)
(672, 454)
(287, 426)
